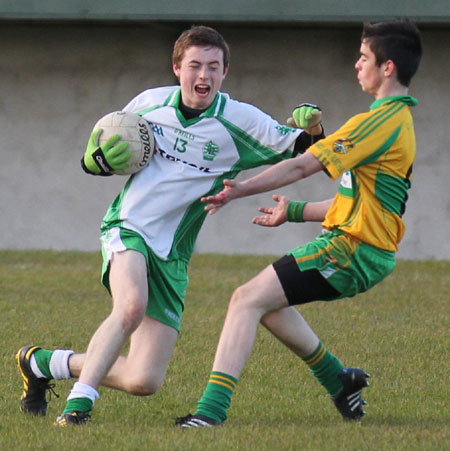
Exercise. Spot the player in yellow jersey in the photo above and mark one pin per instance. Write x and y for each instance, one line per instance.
(373, 154)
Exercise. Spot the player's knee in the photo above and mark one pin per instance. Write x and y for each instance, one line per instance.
(249, 297)
(243, 297)
(132, 315)
(143, 386)
(236, 297)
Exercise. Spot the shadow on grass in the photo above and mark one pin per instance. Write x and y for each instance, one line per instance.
(401, 421)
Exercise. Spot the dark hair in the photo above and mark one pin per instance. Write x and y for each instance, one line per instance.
(200, 36)
(396, 40)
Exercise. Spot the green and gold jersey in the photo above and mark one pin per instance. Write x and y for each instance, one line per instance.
(374, 153)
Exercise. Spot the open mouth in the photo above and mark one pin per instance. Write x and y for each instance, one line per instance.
(202, 90)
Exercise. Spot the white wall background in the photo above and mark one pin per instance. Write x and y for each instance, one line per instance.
(57, 80)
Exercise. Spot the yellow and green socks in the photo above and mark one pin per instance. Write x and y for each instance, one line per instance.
(325, 368)
(216, 398)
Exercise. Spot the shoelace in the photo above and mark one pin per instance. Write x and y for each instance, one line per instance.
(50, 388)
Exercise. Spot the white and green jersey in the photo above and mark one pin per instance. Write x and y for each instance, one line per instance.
(191, 159)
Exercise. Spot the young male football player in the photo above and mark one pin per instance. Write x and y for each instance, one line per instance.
(373, 153)
(148, 233)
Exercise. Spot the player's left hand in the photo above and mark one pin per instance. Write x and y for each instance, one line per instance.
(274, 216)
(305, 116)
(216, 202)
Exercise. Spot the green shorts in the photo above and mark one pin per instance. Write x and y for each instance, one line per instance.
(349, 265)
(167, 280)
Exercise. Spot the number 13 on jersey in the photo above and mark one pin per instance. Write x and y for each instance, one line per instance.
(180, 145)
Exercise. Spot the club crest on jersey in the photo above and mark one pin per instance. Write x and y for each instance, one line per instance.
(210, 150)
(342, 145)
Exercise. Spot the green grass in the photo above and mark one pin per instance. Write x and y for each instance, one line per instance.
(399, 332)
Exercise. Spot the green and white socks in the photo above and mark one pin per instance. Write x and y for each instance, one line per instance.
(55, 365)
(51, 364)
(81, 398)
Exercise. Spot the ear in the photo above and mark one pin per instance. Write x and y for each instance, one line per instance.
(389, 68)
(176, 70)
(225, 72)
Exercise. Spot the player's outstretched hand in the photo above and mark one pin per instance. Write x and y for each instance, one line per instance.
(214, 203)
(274, 216)
(103, 160)
(305, 116)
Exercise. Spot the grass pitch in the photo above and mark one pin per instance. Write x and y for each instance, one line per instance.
(398, 332)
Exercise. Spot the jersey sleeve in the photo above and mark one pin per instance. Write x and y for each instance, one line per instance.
(360, 140)
(261, 127)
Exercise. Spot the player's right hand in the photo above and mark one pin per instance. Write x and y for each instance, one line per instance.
(103, 160)
(214, 203)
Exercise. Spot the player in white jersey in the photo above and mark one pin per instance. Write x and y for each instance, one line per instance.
(227, 137)
(148, 233)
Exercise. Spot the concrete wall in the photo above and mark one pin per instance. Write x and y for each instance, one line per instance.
(57, 80)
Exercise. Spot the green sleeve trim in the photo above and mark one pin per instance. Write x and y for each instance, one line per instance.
(295, 211)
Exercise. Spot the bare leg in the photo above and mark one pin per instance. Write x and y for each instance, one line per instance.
(152, 342)
(262, 300)
(128, 281)
(143, 370)
(289, 326)
(249, 303)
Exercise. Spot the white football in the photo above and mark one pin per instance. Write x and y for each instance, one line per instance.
(133, 129)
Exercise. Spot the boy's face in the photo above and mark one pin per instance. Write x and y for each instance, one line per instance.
(370, 76)
(201, 73)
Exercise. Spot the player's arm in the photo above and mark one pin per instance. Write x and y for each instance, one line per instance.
(290, 211)
(281, 174)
